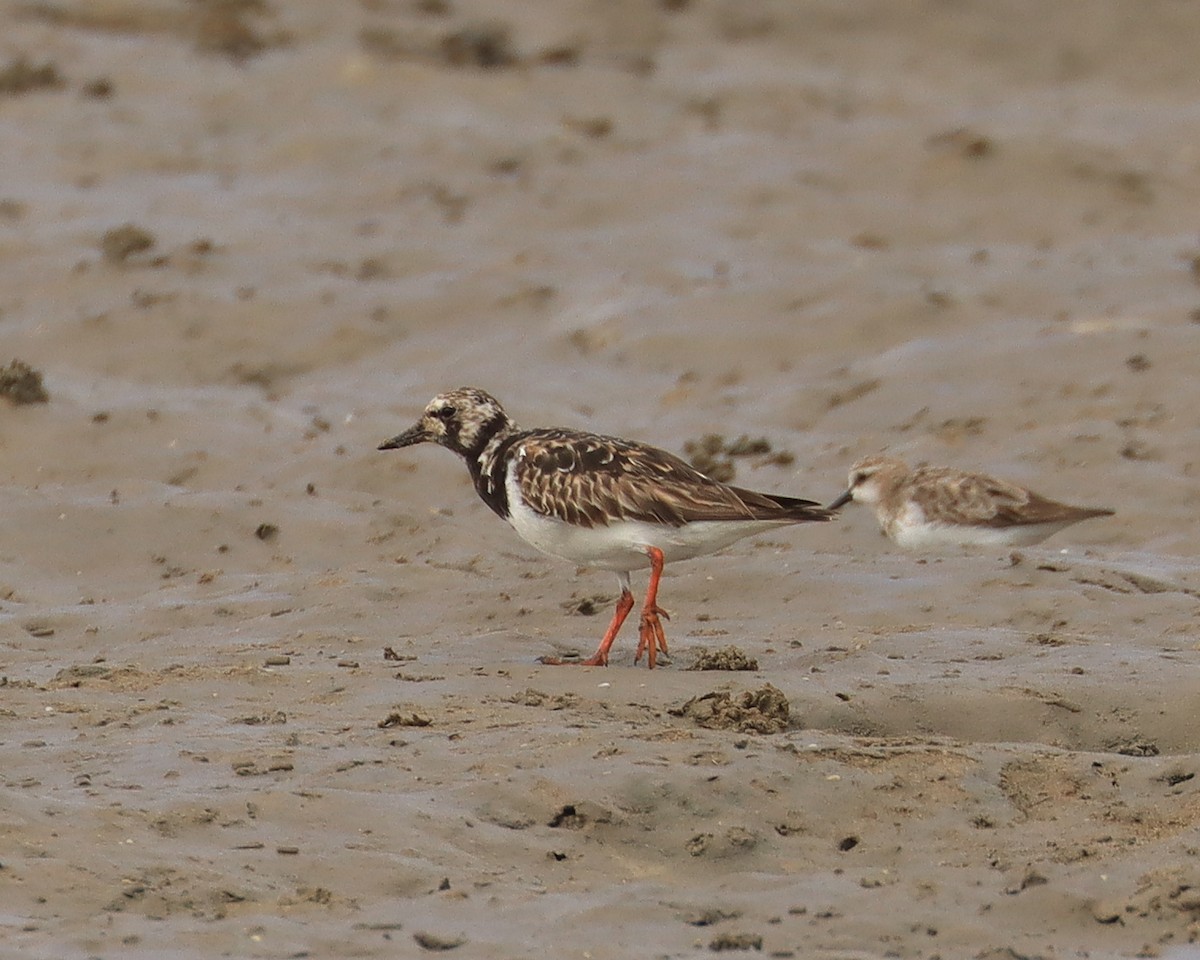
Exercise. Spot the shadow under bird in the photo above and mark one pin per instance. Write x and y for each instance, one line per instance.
(599, 501)
(940, 506)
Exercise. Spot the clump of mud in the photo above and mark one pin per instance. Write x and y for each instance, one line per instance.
(764, 710)
(22, 76)
(21, 384)
(725, 658)
(587, 606)
(121, 243)
(398, 718)
(714, 456)
(220, 27)
(485, 46)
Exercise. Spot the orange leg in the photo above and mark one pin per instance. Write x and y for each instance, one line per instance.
(651, 638)
(600, 657)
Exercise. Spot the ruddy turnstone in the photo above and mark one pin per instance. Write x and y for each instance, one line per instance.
(598, 501)
(939, 506)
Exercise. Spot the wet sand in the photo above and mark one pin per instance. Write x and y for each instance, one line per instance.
(267, 692)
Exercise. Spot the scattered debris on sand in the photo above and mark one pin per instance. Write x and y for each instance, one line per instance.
(764, 710)
(21, 384)
(724, 658)
(714, 455)
(23, 76)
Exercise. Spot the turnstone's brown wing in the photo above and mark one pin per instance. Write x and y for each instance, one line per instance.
(591, 480)
(950, 496)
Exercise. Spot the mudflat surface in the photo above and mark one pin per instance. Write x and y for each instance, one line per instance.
(269, 693)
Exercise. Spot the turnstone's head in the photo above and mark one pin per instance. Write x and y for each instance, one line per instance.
(869, 478)
(462, 420)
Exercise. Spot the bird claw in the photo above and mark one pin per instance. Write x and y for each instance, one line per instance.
(651, 638)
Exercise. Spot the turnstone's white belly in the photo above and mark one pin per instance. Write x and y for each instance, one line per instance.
(621, 545)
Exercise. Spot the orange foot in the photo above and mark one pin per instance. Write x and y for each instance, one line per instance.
(651, 639)
(600, 657)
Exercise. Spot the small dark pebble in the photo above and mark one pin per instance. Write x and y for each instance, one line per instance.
(99, 89)
(431, 941)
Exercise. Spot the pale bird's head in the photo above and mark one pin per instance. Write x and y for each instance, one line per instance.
(870, 477)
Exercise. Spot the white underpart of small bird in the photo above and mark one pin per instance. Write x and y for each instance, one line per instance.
(932, 507)
(599, 501)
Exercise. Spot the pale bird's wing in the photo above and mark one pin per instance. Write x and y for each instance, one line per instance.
(980, 500)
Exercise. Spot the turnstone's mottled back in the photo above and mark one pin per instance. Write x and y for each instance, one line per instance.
(598, 501)
(939, 506)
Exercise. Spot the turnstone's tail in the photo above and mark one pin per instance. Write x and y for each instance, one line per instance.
(773, 506)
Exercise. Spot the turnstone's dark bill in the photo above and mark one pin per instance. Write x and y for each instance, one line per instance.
(939, 506)
(598, 501)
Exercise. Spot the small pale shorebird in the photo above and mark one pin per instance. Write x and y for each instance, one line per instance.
(939, 506)
(599, 501)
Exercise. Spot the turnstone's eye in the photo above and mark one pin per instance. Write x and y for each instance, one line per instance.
(445, 413)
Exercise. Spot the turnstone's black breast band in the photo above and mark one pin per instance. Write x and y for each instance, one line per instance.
(489, 470)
